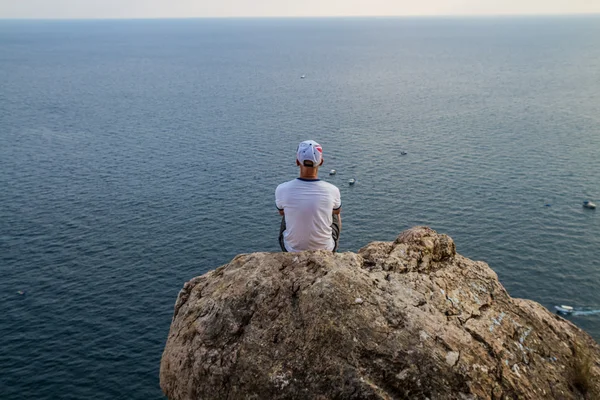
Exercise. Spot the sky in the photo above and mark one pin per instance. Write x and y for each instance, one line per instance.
(61, 9)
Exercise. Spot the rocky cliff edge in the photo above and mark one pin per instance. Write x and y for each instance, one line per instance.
(409, 319)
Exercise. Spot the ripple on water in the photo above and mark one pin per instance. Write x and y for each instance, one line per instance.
(152, 156)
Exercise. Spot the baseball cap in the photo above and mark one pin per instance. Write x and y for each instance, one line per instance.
(309, 150)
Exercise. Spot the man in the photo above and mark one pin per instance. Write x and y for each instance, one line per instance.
(310, 207)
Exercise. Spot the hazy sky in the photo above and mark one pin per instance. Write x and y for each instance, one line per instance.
(253, 8)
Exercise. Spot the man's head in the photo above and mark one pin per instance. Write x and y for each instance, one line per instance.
(309, 154)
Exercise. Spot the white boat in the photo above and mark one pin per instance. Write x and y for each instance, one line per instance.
(589, 204)
(564, 309)
(403, 153)
(332, 172)
(352, 181)
(303, 76)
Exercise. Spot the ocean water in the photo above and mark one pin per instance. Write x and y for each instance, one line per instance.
(135, 155)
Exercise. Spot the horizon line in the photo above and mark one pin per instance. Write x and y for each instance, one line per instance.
(503, 15)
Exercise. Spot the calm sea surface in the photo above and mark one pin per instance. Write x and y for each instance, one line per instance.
(135, 155)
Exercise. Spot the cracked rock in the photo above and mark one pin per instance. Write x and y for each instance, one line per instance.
(286, 326)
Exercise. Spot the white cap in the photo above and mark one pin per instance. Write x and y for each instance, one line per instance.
(309, 150)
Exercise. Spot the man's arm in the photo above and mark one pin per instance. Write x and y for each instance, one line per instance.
(337, 206)
(278, 202)
(338, 212)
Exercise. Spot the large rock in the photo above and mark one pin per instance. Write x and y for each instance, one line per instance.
(404, 320)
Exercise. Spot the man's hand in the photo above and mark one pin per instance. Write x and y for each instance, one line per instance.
(281, 212)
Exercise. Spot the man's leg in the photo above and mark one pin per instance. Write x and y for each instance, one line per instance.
(281, 230)
(335, 228)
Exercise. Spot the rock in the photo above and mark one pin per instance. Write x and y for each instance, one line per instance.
(452, 358)
(429, 324)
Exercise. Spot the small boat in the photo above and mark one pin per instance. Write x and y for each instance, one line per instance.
(303, 76)
(589, 204)
(564, 309)
(403, 153)
(332, 172)
(352, 181)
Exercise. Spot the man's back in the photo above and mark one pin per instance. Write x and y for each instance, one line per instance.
(308, 205)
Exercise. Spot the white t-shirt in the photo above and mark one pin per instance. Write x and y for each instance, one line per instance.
(308, 205)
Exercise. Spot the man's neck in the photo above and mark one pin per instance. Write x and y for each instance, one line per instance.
(309, 173)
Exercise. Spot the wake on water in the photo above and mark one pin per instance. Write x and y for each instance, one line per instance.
(587, 312)
(572, 311)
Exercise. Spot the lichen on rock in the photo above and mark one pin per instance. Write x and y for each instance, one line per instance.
(409, 319)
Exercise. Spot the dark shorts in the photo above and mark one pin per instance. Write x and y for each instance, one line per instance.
(335, 228)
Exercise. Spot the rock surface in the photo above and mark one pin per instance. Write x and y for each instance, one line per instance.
(409, 319)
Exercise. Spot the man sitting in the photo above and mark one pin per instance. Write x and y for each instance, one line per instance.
(310, 207)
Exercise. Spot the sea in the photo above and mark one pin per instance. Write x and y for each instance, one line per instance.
(138, 154)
